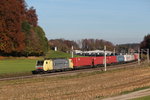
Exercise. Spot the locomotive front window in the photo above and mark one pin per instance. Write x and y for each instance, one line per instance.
(40, 63)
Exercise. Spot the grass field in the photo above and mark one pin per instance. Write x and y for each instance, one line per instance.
(14, 66)
(11, 66)
(83, 86)
(143, 98)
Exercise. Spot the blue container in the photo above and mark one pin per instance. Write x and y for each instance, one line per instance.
(120, 58)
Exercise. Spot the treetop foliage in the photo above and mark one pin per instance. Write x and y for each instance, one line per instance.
(20, 34)
(84, 44)
(93, 44)
(63, 45)
(145, 44)
(125, 48)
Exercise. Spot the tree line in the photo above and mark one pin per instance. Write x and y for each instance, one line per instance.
(20, 34)
(93, 44)
(127, 48)
(144, 44)
(84, 44)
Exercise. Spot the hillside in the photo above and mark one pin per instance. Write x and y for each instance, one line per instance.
(58, 54)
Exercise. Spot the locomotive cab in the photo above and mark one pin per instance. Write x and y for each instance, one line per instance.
(39, 65)
(44, 65)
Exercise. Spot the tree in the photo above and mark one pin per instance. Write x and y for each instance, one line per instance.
(125, 48)
(19, 30)
(145, 44)
(63, 45)
(32, 16)
(11, 14)
(93, 44)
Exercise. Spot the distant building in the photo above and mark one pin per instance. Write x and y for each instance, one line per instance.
(55, 48)
(92, 53)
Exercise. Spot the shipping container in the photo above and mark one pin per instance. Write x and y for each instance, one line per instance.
(111, 59)
(81, 61)
(136, 56)
(132, 57)
(98, 60)
(120, 58)
(129, 58)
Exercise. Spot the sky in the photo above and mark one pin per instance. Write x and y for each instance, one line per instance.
(117, 21)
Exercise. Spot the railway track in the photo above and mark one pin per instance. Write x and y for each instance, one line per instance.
(73, 72)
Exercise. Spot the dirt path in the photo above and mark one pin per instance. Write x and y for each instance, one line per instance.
(132, 95)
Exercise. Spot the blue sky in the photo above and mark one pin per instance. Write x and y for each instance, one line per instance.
(118, 21)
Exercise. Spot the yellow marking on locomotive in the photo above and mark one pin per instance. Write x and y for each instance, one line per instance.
(48, 65)
(70, 63)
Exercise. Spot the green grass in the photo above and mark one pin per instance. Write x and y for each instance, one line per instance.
(21, 65)
(10, 66)
(137, 89)
(58, 54)
(143, 98)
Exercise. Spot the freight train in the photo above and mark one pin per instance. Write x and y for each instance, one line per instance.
(60, 64)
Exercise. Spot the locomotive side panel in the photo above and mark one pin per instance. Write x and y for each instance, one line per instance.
(44, 65)
(48, 65)
(70, 63)
(60, 64)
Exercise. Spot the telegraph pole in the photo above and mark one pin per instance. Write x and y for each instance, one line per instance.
(142, 54)
(105, 65)
(148, 55)
(72, 51)
(139, 56)
(114, 51)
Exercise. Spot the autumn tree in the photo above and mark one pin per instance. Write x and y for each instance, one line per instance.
(19, 30)
(11, 15)
(145, 44)
(32, 16)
